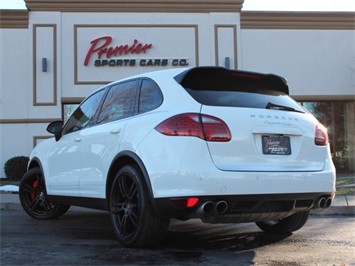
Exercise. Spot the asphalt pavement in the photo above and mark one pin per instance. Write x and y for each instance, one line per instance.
(341, 205)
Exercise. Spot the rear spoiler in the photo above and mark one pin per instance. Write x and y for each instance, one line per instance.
(213, 78)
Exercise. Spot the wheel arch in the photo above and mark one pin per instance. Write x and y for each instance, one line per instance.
(126, 158)
(35, 162)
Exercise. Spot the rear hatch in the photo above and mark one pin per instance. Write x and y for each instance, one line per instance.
(270, 131)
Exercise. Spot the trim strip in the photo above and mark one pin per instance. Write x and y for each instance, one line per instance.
(13, 19)
(72, 100)
(29, 121)
(54, 55)
(298, 20)
(167, 6)
(249, 19)
(216, 40)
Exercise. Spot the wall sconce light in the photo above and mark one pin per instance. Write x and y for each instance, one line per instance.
(44, 64)
(227, 62)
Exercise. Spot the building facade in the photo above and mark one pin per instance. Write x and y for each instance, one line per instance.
(57, 52)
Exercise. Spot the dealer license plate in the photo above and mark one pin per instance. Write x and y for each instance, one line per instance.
(276, 145)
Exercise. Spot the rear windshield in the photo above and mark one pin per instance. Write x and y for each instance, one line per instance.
(218, 86)
(243, 99)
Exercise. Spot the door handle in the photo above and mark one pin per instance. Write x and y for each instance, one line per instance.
(78, 139)
(115, 131)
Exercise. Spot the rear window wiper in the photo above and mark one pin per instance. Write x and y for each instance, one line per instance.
(274, 106)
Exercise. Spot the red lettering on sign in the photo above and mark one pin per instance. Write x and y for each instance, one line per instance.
(100, 46)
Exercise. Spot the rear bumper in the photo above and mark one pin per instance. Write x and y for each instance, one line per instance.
(243, 208)
(250, 195)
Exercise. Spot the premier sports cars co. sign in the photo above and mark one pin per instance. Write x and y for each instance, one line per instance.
(105, 54)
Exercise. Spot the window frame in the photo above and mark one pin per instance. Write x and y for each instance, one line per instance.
(94, 117)
(108, 88)
(140, 91)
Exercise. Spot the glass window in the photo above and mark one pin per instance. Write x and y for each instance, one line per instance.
(150, 96)
(256, 99)
(119, 102)
(220, 87)
(339, 119)
(83, 115)
(68, 109)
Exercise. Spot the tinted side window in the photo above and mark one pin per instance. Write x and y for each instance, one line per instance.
(150, 96)
(82, 116)
(119, 102)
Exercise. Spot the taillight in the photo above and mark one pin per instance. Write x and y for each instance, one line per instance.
(184, 202)
(320, 135)
(215, 129)
(203, 126)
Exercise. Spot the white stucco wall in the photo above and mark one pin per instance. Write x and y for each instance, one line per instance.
(14, 93)
(14, 73)
(315, 62)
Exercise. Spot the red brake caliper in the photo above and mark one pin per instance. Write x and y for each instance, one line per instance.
(34, 185)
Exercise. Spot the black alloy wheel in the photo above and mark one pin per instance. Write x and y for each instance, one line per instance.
(133, 219)
(33, 197)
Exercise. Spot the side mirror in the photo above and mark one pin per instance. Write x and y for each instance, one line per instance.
(56, 129)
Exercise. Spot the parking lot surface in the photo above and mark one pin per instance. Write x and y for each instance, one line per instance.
(86, 237)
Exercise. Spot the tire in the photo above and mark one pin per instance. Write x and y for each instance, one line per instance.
(287, 225)
(133, 219)
(33, 197)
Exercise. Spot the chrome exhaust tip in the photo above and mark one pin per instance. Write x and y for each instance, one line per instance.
(221, 207)
(206, 208)
(324, 202)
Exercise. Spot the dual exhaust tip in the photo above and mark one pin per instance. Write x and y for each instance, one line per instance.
(324, 202)
(210, 207)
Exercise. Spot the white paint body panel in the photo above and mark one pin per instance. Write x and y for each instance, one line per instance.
(194, 173)
(78, 164)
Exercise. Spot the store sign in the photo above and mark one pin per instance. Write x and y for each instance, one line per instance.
(104, 54)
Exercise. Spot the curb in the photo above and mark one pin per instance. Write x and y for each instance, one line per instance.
(336, 210)
(5, 206)
(9, 206)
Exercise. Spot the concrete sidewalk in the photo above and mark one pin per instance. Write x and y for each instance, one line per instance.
(342, 205)
(11, 201)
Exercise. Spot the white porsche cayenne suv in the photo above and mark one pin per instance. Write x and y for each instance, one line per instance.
(221, 145)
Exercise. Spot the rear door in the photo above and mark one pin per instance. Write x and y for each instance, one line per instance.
(101, 142)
